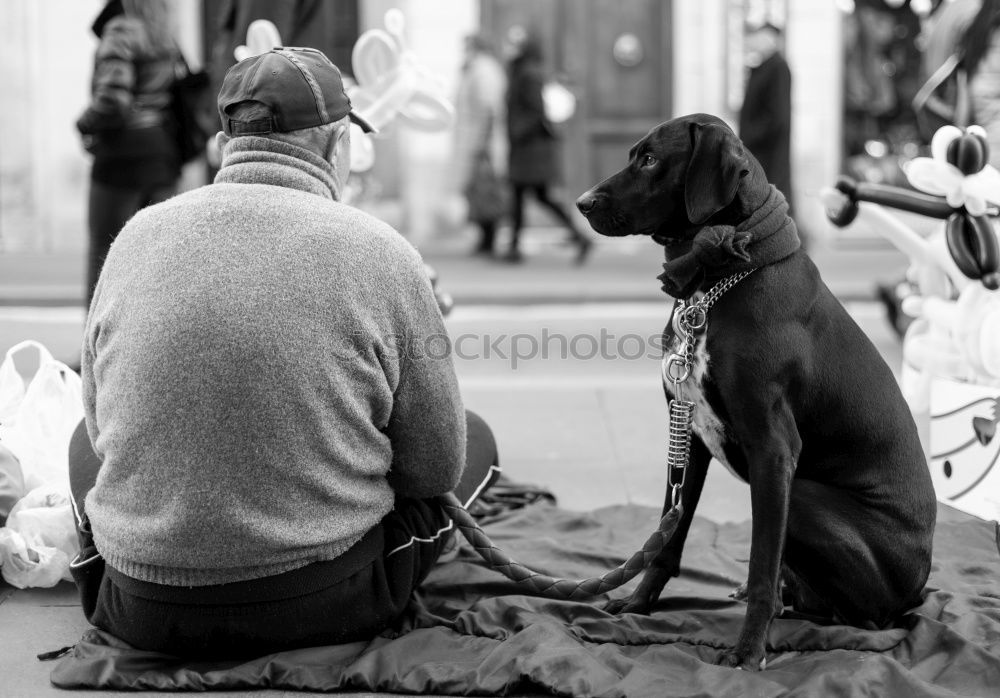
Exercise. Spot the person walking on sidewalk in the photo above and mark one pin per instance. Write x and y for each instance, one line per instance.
(127, 126)
(981, 60)
(534, 147)
(765, 121)
(269, 416)
(479, 140)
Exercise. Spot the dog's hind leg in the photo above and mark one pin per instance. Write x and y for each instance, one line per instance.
(847, 567)
(797, 593)
(667, 562)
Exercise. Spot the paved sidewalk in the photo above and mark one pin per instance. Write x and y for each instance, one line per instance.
(619, 269)
(622, 269)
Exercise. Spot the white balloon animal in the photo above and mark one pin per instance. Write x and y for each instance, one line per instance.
(391, 83)
(956, 331)
(262, 36)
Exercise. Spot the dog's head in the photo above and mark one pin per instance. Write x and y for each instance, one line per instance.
(679, 176)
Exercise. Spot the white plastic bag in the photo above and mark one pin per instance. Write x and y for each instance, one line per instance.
(11, 482)
(38, 419)
(39, 539)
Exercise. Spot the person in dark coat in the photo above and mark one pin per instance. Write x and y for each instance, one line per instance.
(325, 25)
(765, 122)
(534, 147)
(479, 141)
(127, 126)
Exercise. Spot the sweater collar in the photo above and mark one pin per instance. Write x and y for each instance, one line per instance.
(257, 160)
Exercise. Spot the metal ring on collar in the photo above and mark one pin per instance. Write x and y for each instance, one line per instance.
(695, 317)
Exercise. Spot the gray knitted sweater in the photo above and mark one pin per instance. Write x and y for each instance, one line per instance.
(264, 370)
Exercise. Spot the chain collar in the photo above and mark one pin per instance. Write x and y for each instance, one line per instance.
(689, 321)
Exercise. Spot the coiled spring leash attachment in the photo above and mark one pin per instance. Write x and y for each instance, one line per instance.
(678, 447)
(688, 322)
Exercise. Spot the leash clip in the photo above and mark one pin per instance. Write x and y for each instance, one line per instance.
(676, 369)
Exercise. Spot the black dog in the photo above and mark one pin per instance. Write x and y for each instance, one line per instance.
(790, 394)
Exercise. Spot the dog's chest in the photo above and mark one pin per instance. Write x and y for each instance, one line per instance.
(706, 423)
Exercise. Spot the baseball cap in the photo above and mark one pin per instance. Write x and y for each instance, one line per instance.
(300, 87)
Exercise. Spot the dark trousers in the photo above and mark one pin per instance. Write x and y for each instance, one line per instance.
(351, 598)
(541, 193)
(487, 235)
(108, 209)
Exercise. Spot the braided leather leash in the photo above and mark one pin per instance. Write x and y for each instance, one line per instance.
(554, 587)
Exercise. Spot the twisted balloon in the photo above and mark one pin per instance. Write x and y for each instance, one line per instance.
(959, 172)
(392, 84)
(956, 331)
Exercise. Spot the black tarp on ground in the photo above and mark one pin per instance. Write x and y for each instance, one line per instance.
(469, 632)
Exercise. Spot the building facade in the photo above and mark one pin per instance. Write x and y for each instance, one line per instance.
(630, 63)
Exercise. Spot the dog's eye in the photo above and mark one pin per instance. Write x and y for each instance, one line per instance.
(647, 160)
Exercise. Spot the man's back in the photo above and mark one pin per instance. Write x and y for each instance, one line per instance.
(271, 407)
(251, 395)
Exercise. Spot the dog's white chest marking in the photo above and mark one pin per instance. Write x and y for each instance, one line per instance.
(706, 424)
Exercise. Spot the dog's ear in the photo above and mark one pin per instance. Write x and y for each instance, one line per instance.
(713, 174)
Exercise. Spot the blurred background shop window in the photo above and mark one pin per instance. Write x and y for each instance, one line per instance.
(883, 69)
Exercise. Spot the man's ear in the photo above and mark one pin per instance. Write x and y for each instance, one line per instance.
(340, 138)
(713, 175)
(338, 151)
(221, 139)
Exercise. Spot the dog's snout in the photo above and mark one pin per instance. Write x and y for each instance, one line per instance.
(586, 202)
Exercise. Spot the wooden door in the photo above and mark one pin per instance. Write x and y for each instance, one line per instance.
(615, 55)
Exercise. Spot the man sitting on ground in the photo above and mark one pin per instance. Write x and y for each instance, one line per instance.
(267, 418)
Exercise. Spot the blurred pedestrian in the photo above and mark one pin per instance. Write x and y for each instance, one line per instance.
(479, 139)
(765, 122)
(980, 45)
(943, 30)
(325, 25)
(534, 146)
(943, 97)
(128, 125)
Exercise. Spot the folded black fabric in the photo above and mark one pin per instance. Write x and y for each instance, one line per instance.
(469, 631)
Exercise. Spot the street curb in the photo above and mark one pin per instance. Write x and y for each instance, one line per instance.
(460, 299)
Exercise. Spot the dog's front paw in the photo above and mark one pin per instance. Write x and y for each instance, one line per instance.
(630, 604)
(645, 595)
(616, 606)
(745, 660)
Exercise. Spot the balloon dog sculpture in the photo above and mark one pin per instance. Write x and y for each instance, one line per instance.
(956, 331)
(956, 269)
